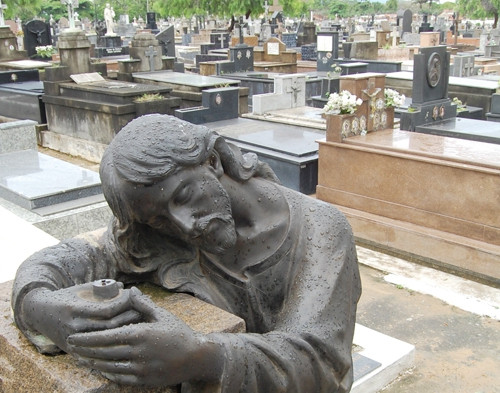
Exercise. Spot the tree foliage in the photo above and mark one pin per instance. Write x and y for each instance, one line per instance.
(391, 6)
(29, 9)
(479, 9)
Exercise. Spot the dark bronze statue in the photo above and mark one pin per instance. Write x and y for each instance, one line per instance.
(192, 214)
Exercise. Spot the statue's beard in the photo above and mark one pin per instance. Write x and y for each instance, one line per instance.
(215, 233)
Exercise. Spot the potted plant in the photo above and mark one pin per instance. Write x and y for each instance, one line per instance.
(341, 120)
(150, 103)
(45, 51)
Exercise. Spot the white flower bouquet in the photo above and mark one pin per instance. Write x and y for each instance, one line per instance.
(393, 98)
(342, 103)
(45, 51)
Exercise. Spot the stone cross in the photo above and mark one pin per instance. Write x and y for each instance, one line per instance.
(240, 30)
(468, 67)
(395, 35)
(151, 53)
(2, 7)
(72, 4)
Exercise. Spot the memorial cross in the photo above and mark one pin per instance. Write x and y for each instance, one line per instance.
(395, 35)
(72, 4)
(294, 88)
(151, 53)
(371, 92)
(468, 67)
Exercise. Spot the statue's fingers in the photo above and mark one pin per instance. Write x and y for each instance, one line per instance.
(88, 325)
(116, 353)
(103, 338)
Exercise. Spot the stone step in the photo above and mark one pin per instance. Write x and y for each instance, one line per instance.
(457, 254)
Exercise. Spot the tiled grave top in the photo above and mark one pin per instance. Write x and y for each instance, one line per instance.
(282, 138)
(453, 149)
(116, 88)
(453, 80)
(179, 78)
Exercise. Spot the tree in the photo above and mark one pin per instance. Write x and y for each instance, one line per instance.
(189, 8)
(23, 9)
(479, 9)
(391, 5)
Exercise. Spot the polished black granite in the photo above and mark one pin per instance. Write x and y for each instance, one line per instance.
(463, 128)
(291, 151)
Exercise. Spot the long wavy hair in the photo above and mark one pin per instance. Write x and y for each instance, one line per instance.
(148, 150)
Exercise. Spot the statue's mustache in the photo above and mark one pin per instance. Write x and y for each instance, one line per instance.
(202, 223)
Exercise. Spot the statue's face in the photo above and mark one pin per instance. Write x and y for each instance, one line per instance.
(190, 204)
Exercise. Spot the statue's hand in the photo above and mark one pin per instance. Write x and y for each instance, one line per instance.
(58, 314)
(162, 351)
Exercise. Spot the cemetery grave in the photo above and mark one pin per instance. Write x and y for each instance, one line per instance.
(284, 132)
(60, 198)
(189, 87)
(21, 93)
(290, 150)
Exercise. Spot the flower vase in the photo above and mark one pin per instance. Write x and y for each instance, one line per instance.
(388, 118)
(341, 126)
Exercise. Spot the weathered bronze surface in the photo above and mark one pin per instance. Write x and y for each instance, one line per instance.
(192, 214)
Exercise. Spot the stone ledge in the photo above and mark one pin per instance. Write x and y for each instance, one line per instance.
(23, 369)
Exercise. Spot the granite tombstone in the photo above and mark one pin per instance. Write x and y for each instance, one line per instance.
(430, 100)
(328, 49)
(166, 38)
(36, 33)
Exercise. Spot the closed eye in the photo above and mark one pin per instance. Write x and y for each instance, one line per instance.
(183, 195)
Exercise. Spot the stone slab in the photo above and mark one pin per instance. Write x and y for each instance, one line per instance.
(22, 369)
(304, 116)
(181, 79)
(464, 128)
(394, 356)
(18, 240)
(17, 135)
(34, 180)
(25, 64)
(217, 104)
(289, 92)
(474, 91)
(108, 90)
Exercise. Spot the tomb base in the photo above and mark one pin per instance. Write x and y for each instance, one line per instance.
(427, 114)
(428, 197)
